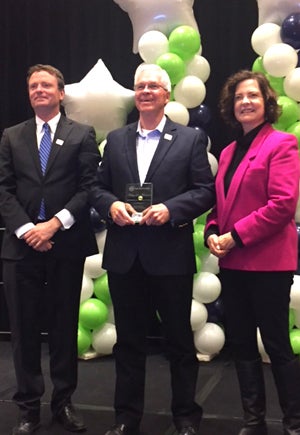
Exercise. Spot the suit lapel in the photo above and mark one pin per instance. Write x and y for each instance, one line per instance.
(63, 129)
(167, 138)
(130, 150)
(30, 142)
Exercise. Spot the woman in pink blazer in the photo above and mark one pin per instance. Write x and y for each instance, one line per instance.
(252, 231)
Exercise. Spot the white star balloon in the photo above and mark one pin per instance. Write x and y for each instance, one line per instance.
(275, 11)
(161, 15)
(98, 100)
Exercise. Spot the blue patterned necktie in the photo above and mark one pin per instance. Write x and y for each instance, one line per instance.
(45, 147)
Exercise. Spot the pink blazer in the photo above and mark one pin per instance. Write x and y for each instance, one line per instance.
(260, 203)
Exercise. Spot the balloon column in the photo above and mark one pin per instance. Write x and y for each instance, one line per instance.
(207, 310)
(277, 43)
(277, 46)
(179, 53)
(96, 329)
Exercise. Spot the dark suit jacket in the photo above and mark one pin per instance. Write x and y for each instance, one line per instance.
(69, 175)
(182, 180)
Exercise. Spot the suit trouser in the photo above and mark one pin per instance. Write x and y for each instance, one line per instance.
(29, 299)
(172, 297)
(257, 299)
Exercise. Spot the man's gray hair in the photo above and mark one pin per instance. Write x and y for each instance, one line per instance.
(163, 75)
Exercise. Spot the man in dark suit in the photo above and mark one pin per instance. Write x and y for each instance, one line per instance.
(160, 169)
(47, 237)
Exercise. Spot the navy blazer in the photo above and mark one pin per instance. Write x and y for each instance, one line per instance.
(182, 180)
(70, 172)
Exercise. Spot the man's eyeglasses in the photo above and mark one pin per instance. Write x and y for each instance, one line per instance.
(150, 86)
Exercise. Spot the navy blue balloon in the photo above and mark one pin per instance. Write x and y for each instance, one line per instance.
(290, 30)
(97, 224)
(215, 311)
(200, 116)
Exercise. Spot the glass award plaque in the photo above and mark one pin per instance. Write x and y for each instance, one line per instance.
(139, 196)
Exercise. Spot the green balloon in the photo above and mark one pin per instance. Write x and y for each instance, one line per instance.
(174, 66)
(202, 219)
(279, 126)
(291, 319)
(185, 42)
(198, 264)
(295, 129)
(84, 339)
(198, 237)
(290, 111)
(101, 289)
(92, 313)
(276, 83)
(258, 66)
(295, 340)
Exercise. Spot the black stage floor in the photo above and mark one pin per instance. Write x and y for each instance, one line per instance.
(217, 392)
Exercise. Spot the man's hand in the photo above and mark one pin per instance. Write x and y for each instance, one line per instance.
(157, 214)
(39, 237)
(121, 213)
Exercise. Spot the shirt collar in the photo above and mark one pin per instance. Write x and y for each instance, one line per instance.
(52, 122)
(159, 127)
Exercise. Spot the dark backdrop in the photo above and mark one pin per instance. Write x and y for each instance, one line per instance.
(74, 34)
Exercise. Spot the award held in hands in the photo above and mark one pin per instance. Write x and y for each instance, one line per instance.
(139, 197)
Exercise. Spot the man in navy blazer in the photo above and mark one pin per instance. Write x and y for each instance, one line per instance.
(153, 181)
(43, 255)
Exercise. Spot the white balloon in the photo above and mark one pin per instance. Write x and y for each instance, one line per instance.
(295, 293)
(209, 263)
(190, 91)
(99, 101)
(280, 59)
(111, 315)
(102, 146)
(265, 357)
(206, 287)
(199, 315)
(265, 36)
(100, 239)
(104, 339)
(210, 339)
(93, 266)
(291, 84)
(87, 288)
(152, 44)
(213, 163)
(177, 112)
(198, 66)
(208, 148)
(275, 11)
(161, 15)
